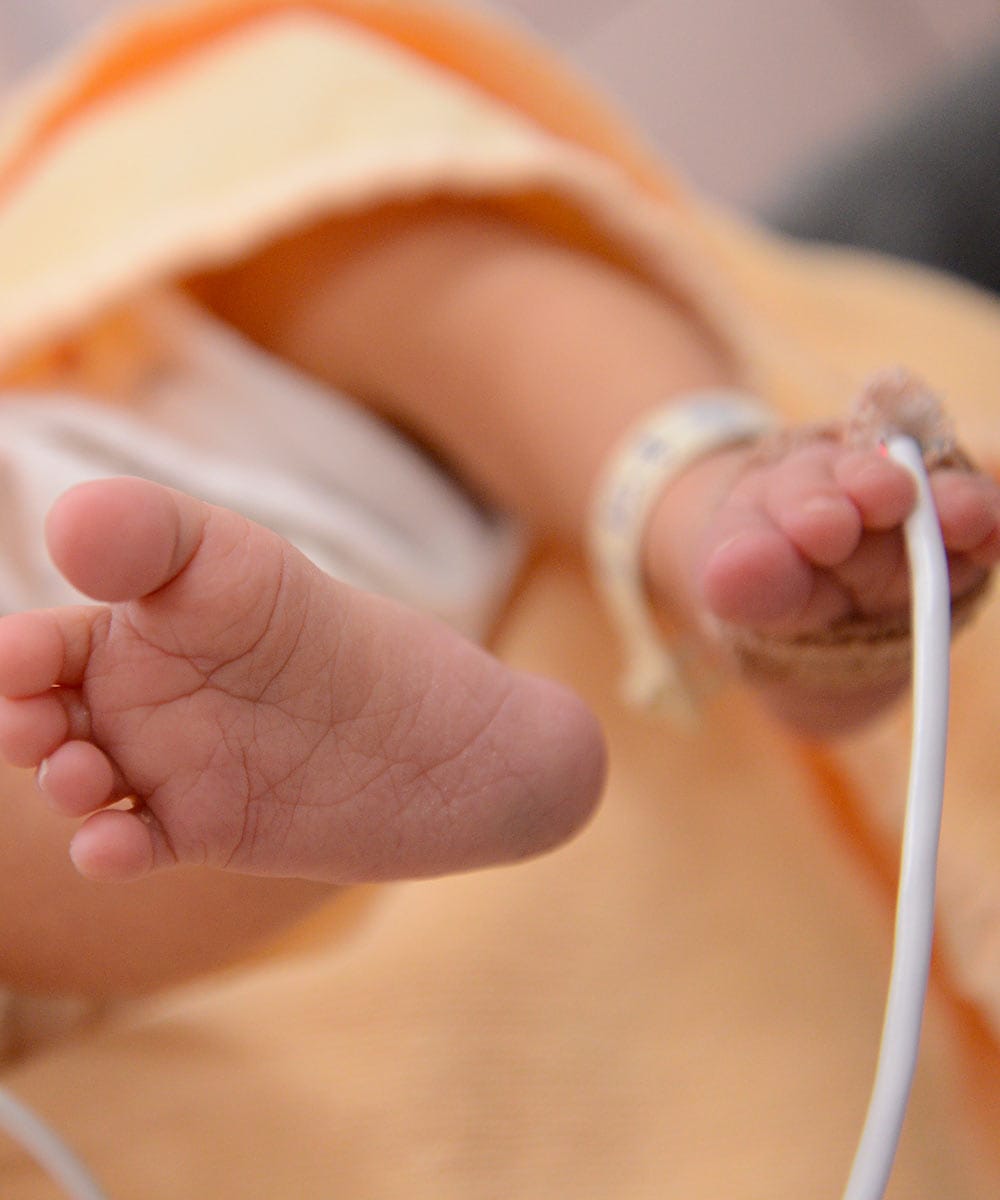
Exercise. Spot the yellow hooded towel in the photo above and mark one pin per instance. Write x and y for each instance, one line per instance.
(686, 1001)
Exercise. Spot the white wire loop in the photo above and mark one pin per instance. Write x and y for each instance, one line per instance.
(931, 624)
(47, 1148)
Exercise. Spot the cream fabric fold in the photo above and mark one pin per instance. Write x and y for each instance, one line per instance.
(215, 417)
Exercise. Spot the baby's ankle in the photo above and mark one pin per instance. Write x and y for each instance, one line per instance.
(674, 542)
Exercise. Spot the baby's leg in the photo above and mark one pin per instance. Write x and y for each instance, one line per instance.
(268, 719)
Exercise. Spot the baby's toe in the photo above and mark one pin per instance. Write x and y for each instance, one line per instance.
(987, 553)
(77, 779)
(812, 510)
(965, 574)
(31, 654)
(881, 490)
(751, 573)
(113, 846)
(39, 650)
(121, 539)
(31, 729)
(876, 576)
(969, 511)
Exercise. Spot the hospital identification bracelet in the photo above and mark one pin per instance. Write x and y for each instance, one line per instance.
(650, 456)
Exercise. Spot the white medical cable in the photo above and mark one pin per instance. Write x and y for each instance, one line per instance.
(931, 624)
(47, 1148)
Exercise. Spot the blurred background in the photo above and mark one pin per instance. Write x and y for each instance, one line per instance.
(743, 94)
(856, 120)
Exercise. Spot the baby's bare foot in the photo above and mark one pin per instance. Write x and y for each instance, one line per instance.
(265, 718)
(816, 537)
(793, 546)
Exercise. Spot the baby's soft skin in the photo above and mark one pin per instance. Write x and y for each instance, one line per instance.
(268, 719)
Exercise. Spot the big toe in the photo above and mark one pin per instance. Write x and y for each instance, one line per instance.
(121, 539)
(752, 574)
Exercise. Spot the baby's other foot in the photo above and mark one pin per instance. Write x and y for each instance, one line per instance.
(816, 537)
(254, 714)
(791, 546)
